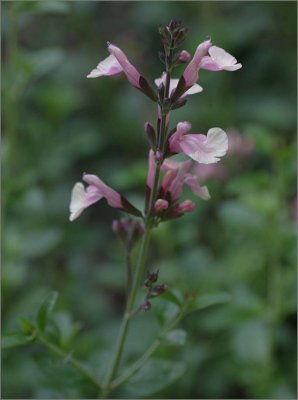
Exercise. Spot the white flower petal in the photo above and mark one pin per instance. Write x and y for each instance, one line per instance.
(109, 66)
(205, 149)
(193, 90)
(223, 59)
(77, 202)
(173, 84)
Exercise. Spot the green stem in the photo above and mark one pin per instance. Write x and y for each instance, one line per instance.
(127, 315)
(133, 292)
(142, 360)
(76, 364)
(137, 365)
(128, 270)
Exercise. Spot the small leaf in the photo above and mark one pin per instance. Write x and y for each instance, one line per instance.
(45, 309)
(13, 340)
(26, 325)
(155, 375)
(208, 300)
(173, 296)
(177, 337)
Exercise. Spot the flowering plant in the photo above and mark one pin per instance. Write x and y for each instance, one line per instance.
(163, 194)
(166, 180)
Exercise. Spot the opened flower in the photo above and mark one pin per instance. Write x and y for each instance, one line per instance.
(191, 73)
(114, 64)
(108, 67)
(82, 198)
(219, 60)
(205, 149)
(118, 62)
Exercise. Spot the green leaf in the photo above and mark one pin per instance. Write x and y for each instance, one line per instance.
(177, 337)
(155, 375)
(26, 325)
(45, 310)
(173, 296)
(208, 300)
(13, 340)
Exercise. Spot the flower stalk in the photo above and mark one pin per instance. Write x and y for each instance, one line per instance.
(162, 199)
(140, 268)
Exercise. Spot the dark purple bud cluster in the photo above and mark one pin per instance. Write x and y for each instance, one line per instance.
(173, 35)
(152, 290)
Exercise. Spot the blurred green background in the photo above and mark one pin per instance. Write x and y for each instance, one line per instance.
(57, 124)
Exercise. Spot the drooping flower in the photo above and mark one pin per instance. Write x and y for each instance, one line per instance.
(191, 73)
(219, 60)
(82, 198)
(108, 67)
(205, 149)
(195, 88)
(130, 71)
(118, 62)
(114, 64)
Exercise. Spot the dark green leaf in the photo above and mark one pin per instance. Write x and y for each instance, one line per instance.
(154, 376)
(45, 309)
(13, 340)
(208, 300)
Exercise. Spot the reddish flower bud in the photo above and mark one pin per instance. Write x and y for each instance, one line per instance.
(160, 205)
(146, 305)
(184, 56)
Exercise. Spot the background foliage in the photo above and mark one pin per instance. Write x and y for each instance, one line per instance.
(58, 124)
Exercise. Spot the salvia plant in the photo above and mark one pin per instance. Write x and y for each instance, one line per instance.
(166, 179)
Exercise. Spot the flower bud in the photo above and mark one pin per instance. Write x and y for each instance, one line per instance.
(158, 290)
(146, 305)
(184, 56)
(186, 206)
(152, 276)
(160, 205)
(151, 135)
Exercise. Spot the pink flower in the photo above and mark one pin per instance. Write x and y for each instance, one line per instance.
(82, 198)
(177, 175)
(219, 60)
(191, 72)
(108, 67)
(114, 64)
(201, 148)
(195, 88)
(130, 71)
